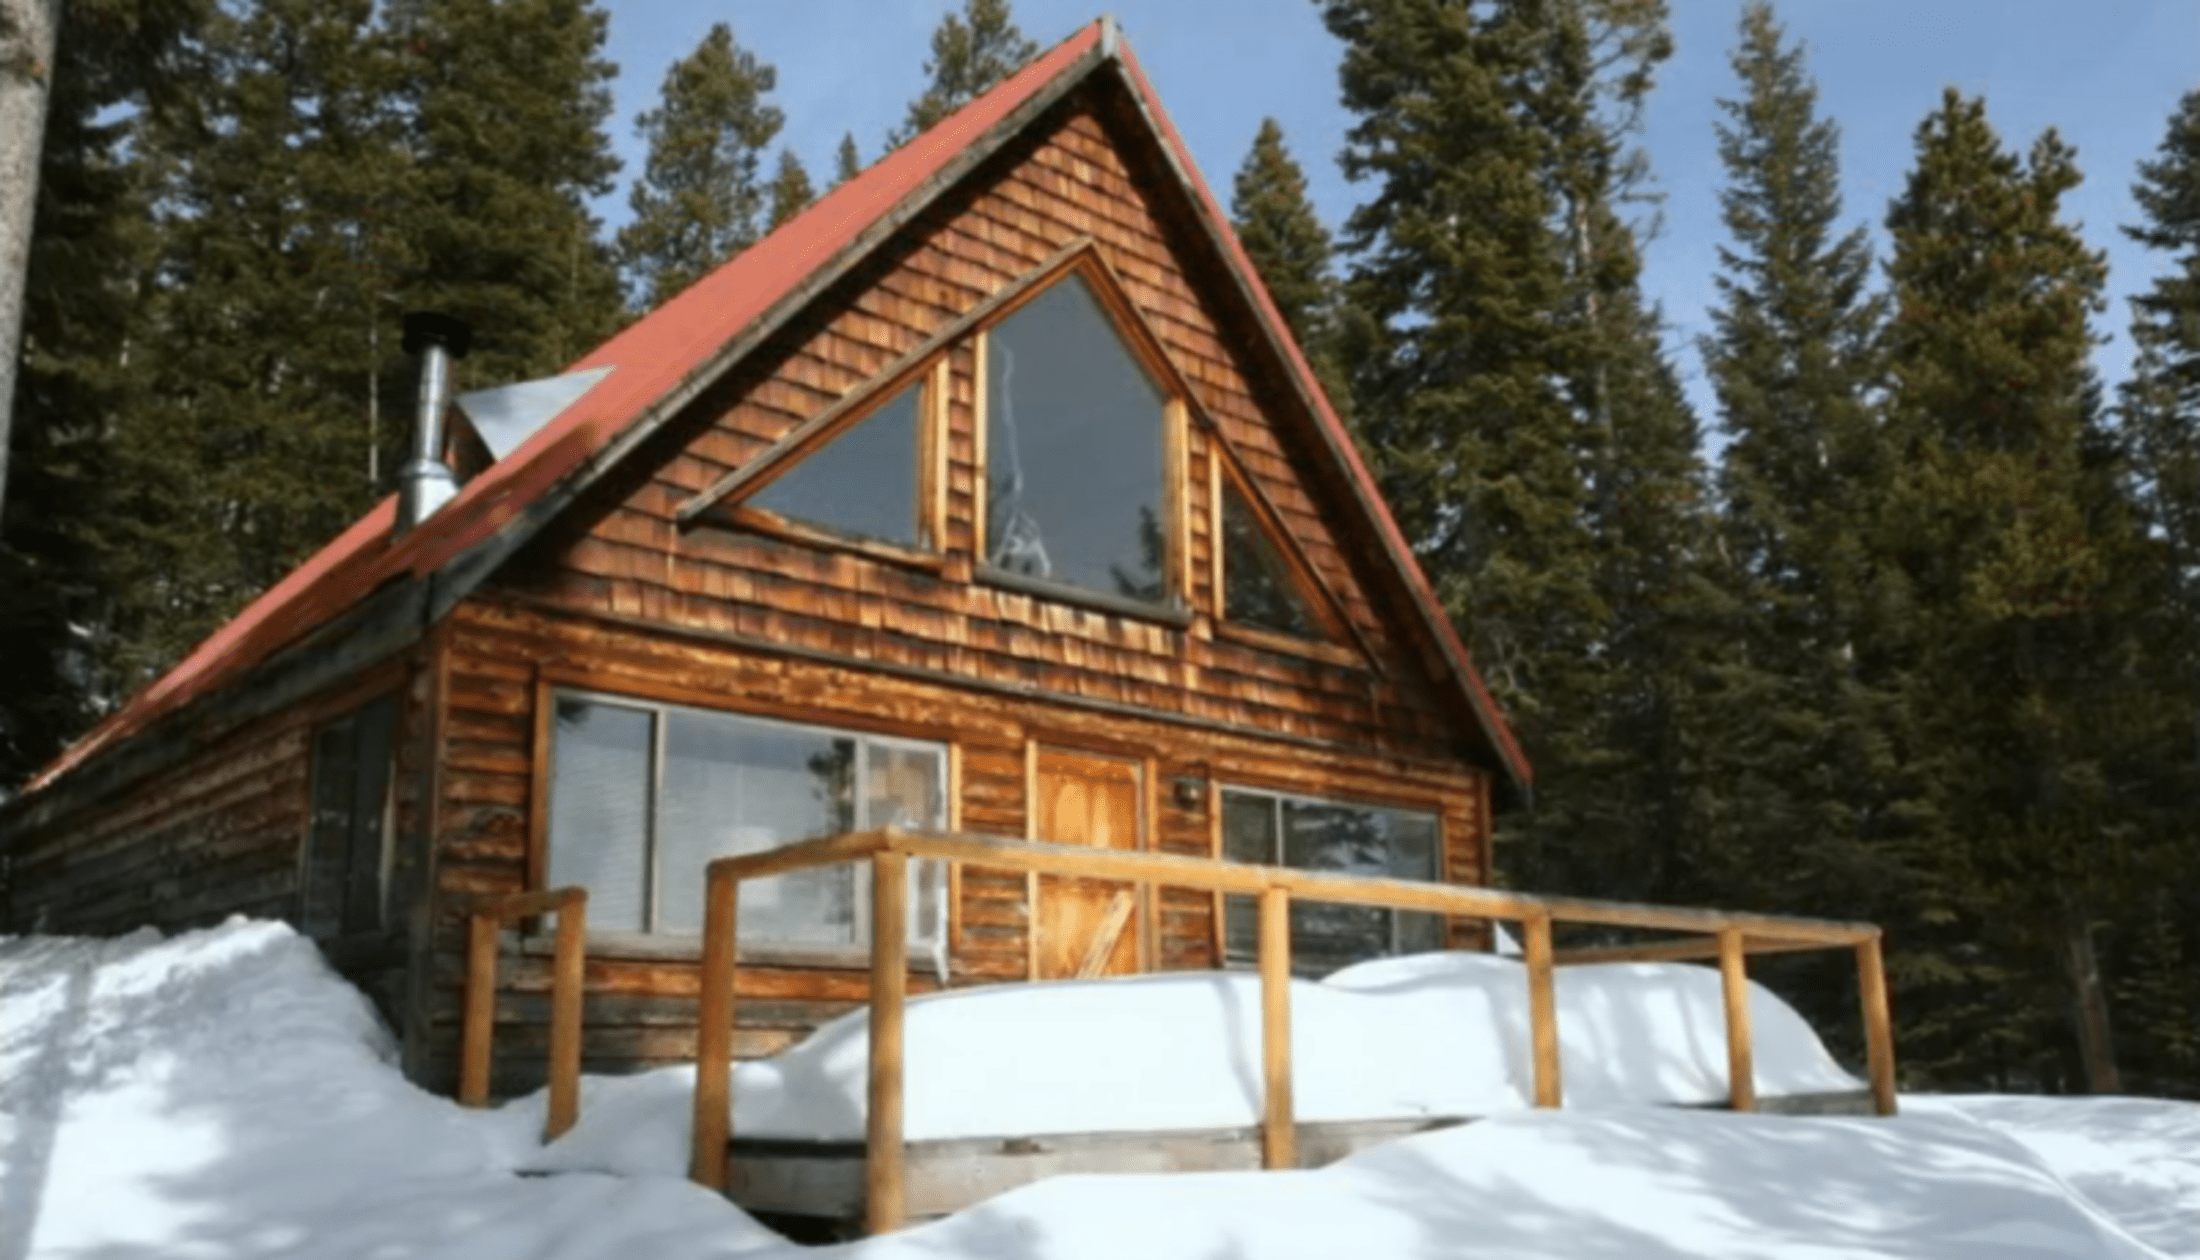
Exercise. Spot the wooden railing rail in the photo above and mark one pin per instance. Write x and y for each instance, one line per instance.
(1728, 937)
(485, 917)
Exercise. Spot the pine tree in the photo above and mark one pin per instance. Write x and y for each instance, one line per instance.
(701, 198)
(1791, 359)
(2017, 567)
(253, 443)
(1281, 234)
(2161, 404)
(2160, 416)
(1510, 388)
(1290, 248)
(847, 161)
(1454, 367)
(971, 52)
(791, 190)
(92, 249)
(504, 103)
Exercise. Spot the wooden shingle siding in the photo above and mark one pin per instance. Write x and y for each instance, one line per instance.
(500, 647)
(633, 561)
(626, 601)
(218, 833)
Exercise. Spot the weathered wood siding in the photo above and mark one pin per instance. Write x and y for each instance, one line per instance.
(639, 1011)
(619, 598)
(220, 832)
(631, 558)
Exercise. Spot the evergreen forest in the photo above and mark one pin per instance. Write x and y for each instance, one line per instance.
(1906, 630)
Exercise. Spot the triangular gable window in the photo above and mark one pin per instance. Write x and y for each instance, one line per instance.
(1076, 449)
(1259, 588)
(862, 482)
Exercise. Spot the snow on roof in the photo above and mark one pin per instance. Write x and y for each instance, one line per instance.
(224, 1094)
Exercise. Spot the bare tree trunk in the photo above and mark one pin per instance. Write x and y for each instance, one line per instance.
(2089, 1005)
(27, 30)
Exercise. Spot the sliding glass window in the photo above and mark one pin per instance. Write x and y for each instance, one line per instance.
(643, 796)
(1275, 829)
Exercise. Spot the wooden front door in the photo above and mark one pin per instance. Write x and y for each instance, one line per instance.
(1087, 927)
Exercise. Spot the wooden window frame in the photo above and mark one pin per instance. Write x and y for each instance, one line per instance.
(653, 943)
(1084, 261)
(1226, 472)
(725, 502)
(880, 388)
(385, 827)
(1217, 790)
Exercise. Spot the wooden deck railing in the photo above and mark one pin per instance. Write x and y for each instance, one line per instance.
(1726, 936)
(485, 917)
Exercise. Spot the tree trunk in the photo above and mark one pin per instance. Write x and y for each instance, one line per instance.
(27, 30)
(2089, 1005)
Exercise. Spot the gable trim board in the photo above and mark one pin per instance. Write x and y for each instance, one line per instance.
(364, 598)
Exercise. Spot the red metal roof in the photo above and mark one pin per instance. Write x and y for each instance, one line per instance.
(656, 362)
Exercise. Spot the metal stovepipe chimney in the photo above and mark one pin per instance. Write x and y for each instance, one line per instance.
(426, 482)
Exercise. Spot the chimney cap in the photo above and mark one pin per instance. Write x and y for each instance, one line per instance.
(426, 328)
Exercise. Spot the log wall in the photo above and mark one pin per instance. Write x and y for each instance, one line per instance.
(221, 832)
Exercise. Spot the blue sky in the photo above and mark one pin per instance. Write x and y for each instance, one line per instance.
(2106, 73)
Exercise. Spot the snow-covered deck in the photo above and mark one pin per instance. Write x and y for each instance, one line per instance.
(1446, 1046)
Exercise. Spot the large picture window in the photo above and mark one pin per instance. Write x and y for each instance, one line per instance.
(643, 796)
(1317, 835)
(1076, 451)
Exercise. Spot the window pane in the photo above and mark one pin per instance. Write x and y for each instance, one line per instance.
(335, 784)
(599, 810)
(904, 788)
(1349, 840)
(863, 482)
(375, 728)
(1258, 588)
(1248, 835)
(738, 786)
(1414, 855)
(1074, 448)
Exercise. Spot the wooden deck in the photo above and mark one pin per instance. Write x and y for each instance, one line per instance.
(825, 1180)
(889, 1179)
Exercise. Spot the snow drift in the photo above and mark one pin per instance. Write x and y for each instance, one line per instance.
(1428, 1035)
(223, 1094)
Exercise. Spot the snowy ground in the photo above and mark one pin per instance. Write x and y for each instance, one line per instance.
(223, 1095)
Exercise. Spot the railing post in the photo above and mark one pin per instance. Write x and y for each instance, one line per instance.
(1277, 1129)
(480, 1015)
(714, 1032)
(1741, 1082)
(1542, 1008)
(884, 1200)
(1871, 984)
(566, 986)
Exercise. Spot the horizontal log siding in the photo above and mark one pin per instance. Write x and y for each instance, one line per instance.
(641, 1012)
(217, 834)
(630, 558)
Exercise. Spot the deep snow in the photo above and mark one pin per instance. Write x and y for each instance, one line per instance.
(224, 1094)
(1428, 1035)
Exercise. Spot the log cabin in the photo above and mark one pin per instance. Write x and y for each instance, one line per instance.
(989, 494)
